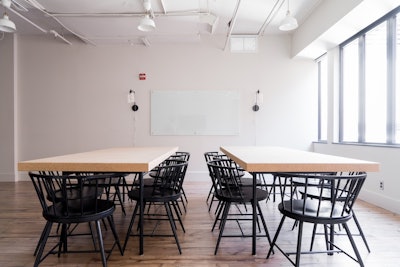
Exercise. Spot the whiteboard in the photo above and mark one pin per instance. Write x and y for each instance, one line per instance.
(184, 112)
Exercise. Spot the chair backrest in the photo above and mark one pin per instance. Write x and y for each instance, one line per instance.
(170, 175)
(209, 156)
(225, 177)
(181, 155)
(325, 195)
(70, 194)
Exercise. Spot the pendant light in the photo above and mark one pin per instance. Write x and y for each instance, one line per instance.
(6, 25)
(147, 23)
(289, 22)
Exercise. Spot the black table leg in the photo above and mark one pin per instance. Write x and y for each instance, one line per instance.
(254, 204)
(141, 211)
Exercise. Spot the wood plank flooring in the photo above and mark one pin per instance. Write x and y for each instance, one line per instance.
(21, 223)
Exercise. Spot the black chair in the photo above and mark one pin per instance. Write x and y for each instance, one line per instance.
(149, 181)
(331, 204)
(73, 199)
(166, 190)
(209, 156)
(314, 192)
(243, 181)
(229, 190)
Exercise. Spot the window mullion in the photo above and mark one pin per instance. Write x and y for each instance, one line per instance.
(391, 76)
(361, 116)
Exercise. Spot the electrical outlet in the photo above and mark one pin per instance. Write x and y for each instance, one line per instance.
(381, 186)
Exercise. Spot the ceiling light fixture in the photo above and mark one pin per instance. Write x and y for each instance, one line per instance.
(289, 22)
(147, 23)
(6, 25)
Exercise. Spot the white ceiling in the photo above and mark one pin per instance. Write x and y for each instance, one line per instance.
(115, 21)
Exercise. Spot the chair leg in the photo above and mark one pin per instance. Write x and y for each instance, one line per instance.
(353, 244)
(299, 238)
(211, 203)
(222, 227)
(93, 236)
(128, 234)
(112, 225)
(313, 236)
(177, 212)
(271, 248)
(209, 194)
(184, 195)
(221, 206)
(264, 223)
(46, 234)
(361, 231)
(40, 239)
(172, 223)
(327, 239)
(63, 240)
(101, 244)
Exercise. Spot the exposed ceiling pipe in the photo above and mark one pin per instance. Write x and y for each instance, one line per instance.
(231, 24)
(131, 14)
(40, 28)
(27, 20)
(163, 6)
(39, 7)
(271, 16)
(56, 34)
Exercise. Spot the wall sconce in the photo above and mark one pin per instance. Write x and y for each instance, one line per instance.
(259, 101)
(131, 99)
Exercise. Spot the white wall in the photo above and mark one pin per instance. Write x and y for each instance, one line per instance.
(74, 98)
(7, 108)
(388, 158)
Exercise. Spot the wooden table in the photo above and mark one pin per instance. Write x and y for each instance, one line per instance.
(257, 159)
(125, 159)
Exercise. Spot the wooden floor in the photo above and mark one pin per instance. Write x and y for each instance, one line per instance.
(21, 224)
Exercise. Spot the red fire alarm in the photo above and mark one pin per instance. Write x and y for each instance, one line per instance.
(142, 76)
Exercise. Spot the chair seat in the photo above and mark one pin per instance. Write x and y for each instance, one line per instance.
(151, 194)
(249, 182)
(246, 195)
(56, 213)
(146, 182)
(312, 212)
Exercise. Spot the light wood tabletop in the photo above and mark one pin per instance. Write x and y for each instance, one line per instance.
(123, 159)
(268, 159)
(278, 159)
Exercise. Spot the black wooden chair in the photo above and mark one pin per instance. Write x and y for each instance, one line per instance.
(242, 180)
(166, 190)
(73, 199)
(314, 192)
(229, 190)
(331, 204)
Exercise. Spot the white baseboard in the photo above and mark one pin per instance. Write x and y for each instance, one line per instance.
(380, 200)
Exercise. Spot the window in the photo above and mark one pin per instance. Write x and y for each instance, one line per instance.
(369, 84)
(322, 98)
